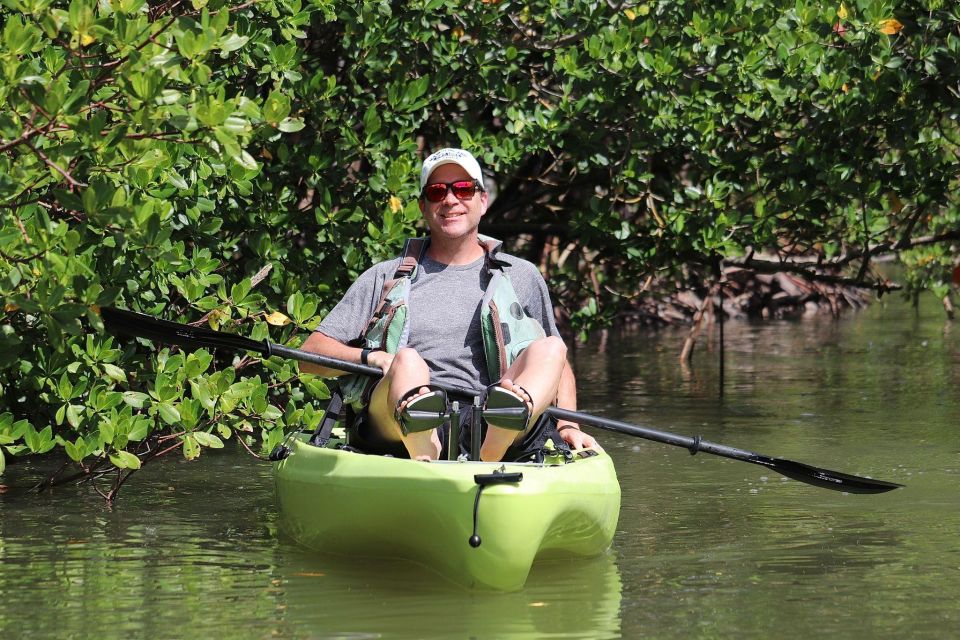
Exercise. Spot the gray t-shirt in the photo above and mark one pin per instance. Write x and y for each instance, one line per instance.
(444, 313)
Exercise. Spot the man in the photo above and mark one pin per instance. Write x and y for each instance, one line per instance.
(445, 320)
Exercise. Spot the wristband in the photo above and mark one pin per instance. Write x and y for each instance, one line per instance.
(364, 354)
(568, 426)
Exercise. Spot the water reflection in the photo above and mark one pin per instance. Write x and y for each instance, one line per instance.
(705, 547)
(327, 596)
(208, 561)
(722, 549)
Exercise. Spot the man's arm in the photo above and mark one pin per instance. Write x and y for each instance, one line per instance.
(345, 321)
(326, 346)
(567, 399)
(567, 391)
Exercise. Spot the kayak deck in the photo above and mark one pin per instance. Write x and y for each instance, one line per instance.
(363, 505)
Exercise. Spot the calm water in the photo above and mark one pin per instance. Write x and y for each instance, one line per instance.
(705, 548)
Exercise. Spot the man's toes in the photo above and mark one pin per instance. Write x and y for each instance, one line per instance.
(420, 392)
(520, 391)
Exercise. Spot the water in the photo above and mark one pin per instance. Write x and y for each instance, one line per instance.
(706, 547)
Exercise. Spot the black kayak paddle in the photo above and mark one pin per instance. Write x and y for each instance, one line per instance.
(139, 325)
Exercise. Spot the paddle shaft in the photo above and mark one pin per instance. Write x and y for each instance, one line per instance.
(693, 444)
(138, 324)
(352, 367)
(687, 442)
(324, 361)
(815, 476)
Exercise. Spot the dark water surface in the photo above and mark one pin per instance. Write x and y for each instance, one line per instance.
(706, 547)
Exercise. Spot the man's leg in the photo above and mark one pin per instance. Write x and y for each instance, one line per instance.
(407, 371)
(538, 371)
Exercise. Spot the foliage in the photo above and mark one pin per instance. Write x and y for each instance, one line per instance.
(127, 178)
(239, 163)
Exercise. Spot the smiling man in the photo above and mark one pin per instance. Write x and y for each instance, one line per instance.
(451, 310)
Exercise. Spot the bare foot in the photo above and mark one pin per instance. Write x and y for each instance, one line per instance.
(403, 405)
(509, 385)
(498, 440)
(423, 445)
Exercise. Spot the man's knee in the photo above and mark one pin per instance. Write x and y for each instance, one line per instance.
(550, 348)
(406, 361)
(406, 356)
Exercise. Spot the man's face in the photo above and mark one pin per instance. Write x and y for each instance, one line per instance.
(452, 217)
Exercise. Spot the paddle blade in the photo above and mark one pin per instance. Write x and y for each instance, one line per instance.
(143, 326)
(826, 478)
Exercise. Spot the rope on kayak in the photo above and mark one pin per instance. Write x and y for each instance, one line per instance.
(485, 480)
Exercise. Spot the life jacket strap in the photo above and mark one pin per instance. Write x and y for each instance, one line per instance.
(413, 250)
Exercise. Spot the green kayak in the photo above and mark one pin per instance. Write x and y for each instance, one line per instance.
(349, 503)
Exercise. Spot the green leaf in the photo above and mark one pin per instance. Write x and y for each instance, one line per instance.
(135, 399)
(272, 413)
(316, 386)
(190, 447)
(208, 440)
(65, 387)
(114, 372)
(106, 433)
(139, 430)
(39, 442)
(371, 121)
(293, 304)
(236, 125)
(74, 413)
(274, 437)
(76, 450)
(276, 107)
(176, 180)
(202, 391)
(232, 42)
(168, 413)
(291, 125)
(245, 160)
(125, 460)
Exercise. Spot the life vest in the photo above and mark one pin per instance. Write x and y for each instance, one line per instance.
(504, 324)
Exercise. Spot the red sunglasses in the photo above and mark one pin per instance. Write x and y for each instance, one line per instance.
(462, 189)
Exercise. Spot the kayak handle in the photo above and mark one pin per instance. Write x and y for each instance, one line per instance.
(485, 480)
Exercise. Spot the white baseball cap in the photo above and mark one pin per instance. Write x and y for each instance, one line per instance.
(451, 156)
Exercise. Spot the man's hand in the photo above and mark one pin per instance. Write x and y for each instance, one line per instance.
(577, 439)
(380, 359)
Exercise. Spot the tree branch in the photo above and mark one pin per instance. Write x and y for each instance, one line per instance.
(774, 266)
(28, 135)
(50, 163)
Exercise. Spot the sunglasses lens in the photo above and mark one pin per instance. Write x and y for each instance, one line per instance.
(435, 192)
(463, 190)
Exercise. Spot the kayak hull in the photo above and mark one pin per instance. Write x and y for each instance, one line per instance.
(375, 506)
